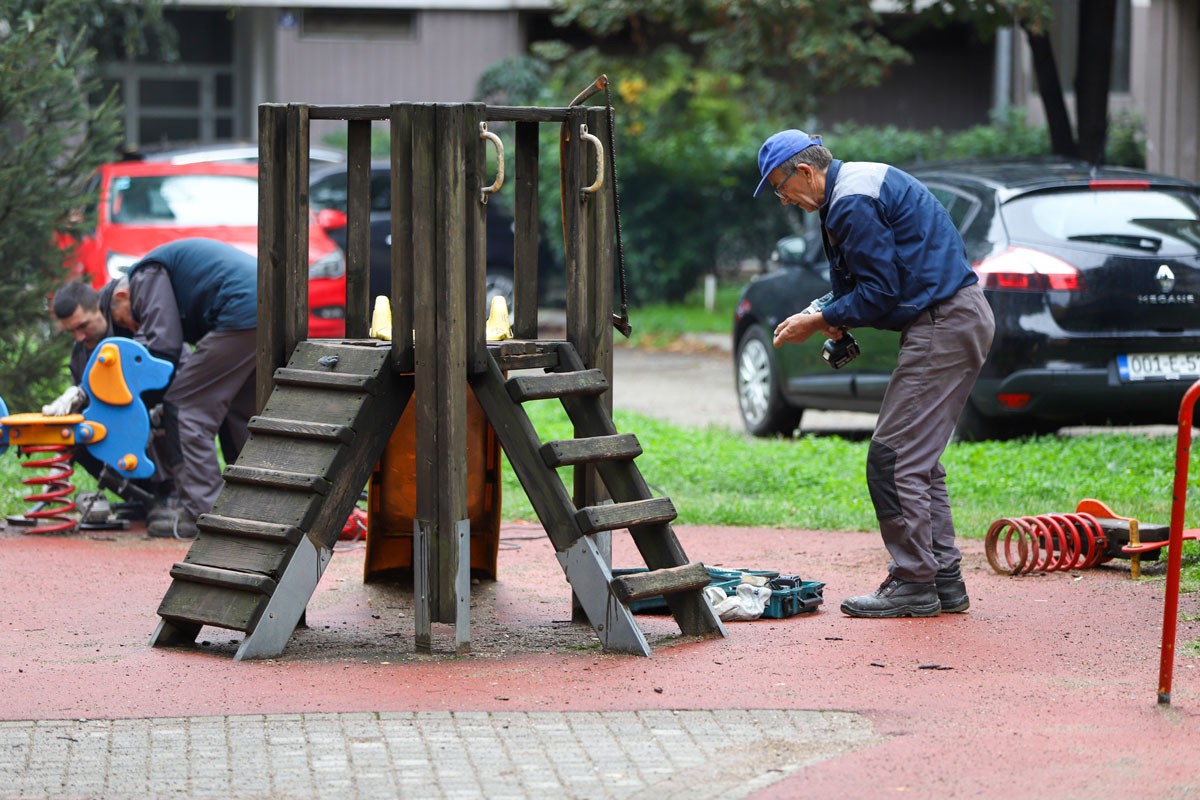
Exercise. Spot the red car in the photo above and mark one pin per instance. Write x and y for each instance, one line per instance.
(146, 203)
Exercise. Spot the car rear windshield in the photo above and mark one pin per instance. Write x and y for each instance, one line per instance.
(184, 200)
(1163, 222)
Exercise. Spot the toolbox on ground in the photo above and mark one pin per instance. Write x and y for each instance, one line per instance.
(789, 594)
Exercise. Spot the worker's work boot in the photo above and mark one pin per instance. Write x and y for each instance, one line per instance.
(177, 525)
(895, 598)
(952, 590)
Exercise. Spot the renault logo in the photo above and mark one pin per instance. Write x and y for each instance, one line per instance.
(1165, 278)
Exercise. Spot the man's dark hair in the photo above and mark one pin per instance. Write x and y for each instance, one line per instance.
(76, 294)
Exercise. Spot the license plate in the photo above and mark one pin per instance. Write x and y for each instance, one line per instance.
(1158, 366)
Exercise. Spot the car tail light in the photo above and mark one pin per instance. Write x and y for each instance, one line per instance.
(1014, 402)
(1021, 269)
(1113, 183)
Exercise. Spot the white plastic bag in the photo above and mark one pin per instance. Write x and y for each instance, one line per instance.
(747, 603)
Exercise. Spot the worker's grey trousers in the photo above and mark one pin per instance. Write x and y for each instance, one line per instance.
(214, 391)
(941, 352)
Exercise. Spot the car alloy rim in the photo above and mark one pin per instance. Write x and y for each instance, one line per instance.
(754, 381)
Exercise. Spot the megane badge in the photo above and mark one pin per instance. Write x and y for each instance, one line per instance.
(1165, 278)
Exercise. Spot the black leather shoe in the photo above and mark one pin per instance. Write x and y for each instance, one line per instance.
(952, 591)
(895, 598)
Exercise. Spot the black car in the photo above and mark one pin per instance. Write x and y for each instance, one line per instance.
(1093, 275)
(328, 190)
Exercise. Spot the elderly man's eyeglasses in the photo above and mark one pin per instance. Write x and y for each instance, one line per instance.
(782, 183)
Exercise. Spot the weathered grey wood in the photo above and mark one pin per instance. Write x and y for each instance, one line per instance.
(272, 532)
(358, 228)
(567, 452)
(281, 506)
(240, 553)
(520, 441)
(169, 634)
(526, 114)
(587, 383)
(449, 414)
(295, 210)
(187, 603)
(629, 514)
(403, 243)
(272, 237)
(278, 479)
(326, 380)
(640, 585)
(226, 578)
(474, 238)
(525, 220)
(299, 429)
(366, 112)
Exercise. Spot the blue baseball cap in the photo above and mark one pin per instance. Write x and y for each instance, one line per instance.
(778, 149)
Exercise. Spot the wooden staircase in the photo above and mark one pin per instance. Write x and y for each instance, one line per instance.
(648, 518)
(272, 529)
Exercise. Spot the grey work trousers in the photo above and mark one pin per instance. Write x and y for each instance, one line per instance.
(941, 353)
(213, 392)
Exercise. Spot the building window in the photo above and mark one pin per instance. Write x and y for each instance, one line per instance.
(357, 24)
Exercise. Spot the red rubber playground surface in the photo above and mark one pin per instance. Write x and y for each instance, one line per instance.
(1046, 688)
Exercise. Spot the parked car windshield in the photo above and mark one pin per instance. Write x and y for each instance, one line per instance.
(1157, 221)
(185, 200)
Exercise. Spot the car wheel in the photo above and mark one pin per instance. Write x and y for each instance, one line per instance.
(973, 426)
(764, 410)
(499, 282)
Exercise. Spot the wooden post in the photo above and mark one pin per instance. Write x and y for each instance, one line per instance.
(272, 237)
(403, 247)
(358, 228)
(295, 263)
(474, 234)
(525, 215)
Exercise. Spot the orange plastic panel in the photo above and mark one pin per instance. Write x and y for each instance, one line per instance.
(106, 380)
(392, 497)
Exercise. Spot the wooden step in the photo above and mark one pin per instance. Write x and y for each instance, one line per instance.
(249, 528)
(297, 429)
(614, 447)
(344, 381)
(588, 383)
(640, 585)
(625, 515)
(525, 354)
(277, 479)
(223, 578)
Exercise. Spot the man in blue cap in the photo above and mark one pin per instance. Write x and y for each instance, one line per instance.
(897, 263)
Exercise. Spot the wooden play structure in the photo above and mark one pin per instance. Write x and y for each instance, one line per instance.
(328, 408)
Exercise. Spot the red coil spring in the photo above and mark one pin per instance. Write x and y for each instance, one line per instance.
(1045, 543)
(56, 485)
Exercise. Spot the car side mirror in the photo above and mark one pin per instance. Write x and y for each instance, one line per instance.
(330, 219)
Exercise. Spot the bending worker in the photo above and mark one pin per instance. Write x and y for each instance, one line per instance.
(897, 263)
(203, 293)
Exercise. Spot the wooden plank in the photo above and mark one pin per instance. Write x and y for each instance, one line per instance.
(278, 479)
(224, 578)
(331, 407)
(640, 585)
(326, 380)
(188, 603)
(449, 468)
(626, 515)
(241, 554)
(567, 452)
(403, 244)
(520, 441)
(526, 113)
(358, 228)
(298, 429)
(301, 456)
(272, 532)
(344, 112)
(588, 382)
(525, 219)
(272, 236)
(527, 361)
(369, 357)
(295, 210)
(246, 501)
(474, 237)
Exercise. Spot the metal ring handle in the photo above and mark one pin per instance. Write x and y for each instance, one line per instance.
(587, 137)
(484, 133)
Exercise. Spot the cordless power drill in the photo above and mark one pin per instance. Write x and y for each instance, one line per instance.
(836, 352)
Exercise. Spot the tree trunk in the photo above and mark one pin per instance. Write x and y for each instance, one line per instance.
(1097, 20)
(1062, 141)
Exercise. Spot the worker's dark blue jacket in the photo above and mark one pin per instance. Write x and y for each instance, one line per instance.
(215, 285)
(893, 251)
